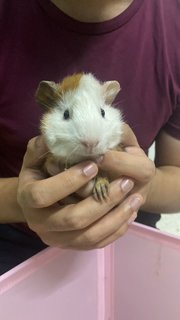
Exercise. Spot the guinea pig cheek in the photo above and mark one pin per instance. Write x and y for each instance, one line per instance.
(52, 130)
(109, 141)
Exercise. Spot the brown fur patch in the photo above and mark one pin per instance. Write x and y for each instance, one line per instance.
(70, 82)
(47, 94)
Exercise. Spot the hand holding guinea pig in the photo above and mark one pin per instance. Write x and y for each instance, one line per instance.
(87, 224)
(132, 163)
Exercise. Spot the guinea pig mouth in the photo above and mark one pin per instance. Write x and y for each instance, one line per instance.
(92, 155)
(91, 150)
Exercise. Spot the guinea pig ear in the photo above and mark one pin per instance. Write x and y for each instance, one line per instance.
(110, 90)
(47, 94)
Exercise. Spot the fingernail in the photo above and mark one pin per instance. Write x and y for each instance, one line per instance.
(127, 185)
(132, 218)
(135, 203)
(90, 170)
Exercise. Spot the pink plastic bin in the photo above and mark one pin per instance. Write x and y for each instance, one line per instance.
(137, 278)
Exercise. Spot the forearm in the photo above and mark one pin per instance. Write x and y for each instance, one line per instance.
(164, 195)
(10, 212)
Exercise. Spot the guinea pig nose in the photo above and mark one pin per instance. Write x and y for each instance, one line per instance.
(89, 144)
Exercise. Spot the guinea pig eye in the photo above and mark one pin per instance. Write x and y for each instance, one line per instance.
(66, 114)
(102, 112)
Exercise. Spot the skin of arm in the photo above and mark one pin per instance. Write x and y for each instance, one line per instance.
(164, 195)
(10, 210)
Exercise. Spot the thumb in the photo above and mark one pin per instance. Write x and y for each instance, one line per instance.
(35, 153)
(128, 137)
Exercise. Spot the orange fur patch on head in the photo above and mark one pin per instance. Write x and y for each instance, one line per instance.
(70, 82)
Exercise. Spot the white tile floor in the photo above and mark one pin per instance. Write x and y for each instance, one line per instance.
(170, 223)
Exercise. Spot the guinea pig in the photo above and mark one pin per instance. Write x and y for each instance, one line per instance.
(80, 123)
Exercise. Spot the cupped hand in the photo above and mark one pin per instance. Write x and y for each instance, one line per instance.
(84, 225)
(132, 162)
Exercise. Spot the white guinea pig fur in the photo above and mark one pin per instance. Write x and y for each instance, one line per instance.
(79, 122)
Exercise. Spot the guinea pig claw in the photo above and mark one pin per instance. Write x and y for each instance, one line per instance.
(101, 189)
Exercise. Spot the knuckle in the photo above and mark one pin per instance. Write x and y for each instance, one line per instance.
(114, 197)
(118, 234)
(148, 170)
(79, 224)
(33, 226)
(89, 239)
(42, 226)
(21, 197)
(73, 222)
(47, 239)
(31, 195)
(37, 197)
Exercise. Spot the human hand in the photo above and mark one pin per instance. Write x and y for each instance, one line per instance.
(84, 225)
(132, 163)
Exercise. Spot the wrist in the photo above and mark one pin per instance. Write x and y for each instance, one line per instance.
(149, 194)
(163, 193)
(10, 210)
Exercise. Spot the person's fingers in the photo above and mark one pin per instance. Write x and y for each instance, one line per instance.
(111, 224)
(133, 163)
(119, 233)
(33, 160)
(113, 237)
(80, 215)
(35, 153)
(104, 231)
(45, 192)
(128, 137)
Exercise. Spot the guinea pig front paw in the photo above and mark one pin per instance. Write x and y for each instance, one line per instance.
(101, 188)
